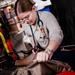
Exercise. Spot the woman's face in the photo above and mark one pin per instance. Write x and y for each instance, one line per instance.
(28, 17)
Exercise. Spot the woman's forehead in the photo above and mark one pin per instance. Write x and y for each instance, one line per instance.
(23, 14)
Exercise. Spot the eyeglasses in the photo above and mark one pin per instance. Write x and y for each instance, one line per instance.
(25, 18)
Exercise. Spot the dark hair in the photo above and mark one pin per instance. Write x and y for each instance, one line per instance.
(23, 6)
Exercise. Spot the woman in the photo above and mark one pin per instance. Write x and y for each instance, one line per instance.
(42, 28)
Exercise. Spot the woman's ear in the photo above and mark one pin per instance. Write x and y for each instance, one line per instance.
(33, 8)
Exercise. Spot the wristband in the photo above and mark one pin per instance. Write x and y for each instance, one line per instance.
(48, 51)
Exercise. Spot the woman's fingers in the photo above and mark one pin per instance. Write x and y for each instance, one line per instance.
(41, 57)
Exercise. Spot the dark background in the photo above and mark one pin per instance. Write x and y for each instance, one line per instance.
(64, 11)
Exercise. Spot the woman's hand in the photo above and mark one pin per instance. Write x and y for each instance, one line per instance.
(43, 56)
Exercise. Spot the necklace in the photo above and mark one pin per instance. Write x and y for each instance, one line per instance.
(36, 29)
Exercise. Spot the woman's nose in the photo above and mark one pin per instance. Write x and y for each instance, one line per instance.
(28, 21)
